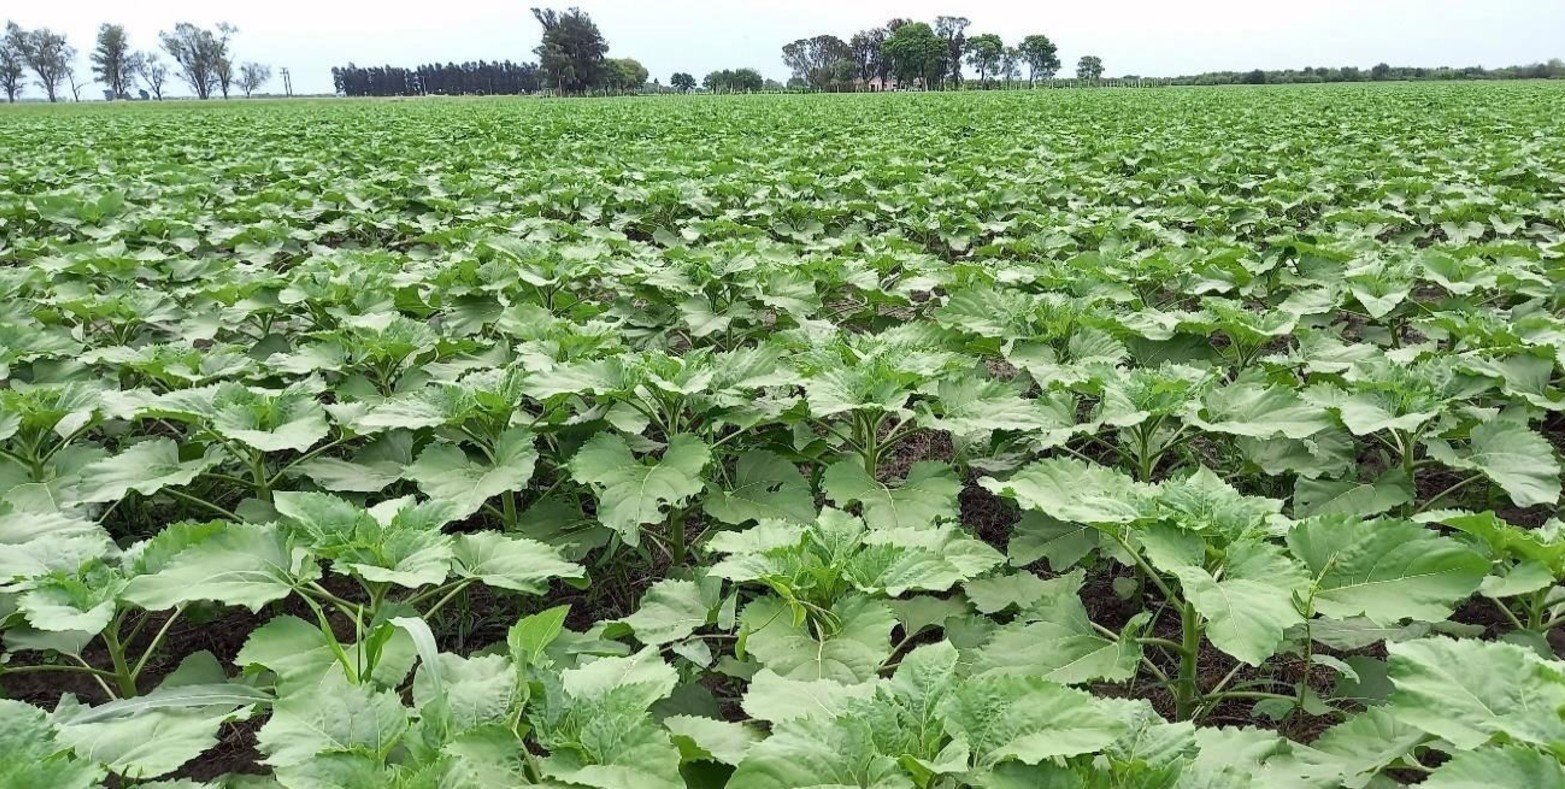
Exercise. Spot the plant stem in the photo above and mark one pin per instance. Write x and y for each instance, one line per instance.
(189, 499)
(122, 673)
(1186, 692)
(676, 539)
(157, 639)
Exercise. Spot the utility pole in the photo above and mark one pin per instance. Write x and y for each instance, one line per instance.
(287, 83)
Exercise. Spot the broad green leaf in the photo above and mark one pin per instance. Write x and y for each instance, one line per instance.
(248, 565)
(1260, 411)
(1026, 719)
(1350, 497)
(631, 492)
(927, 495)
(301, 655)
(1471, 692)
(1505, 765)
(1385, 570)
(514, 563)
(1516, 458)
(711, 739)
(332, 717)
(1038, 536)
(445, 473)
(765, 486)
(671, 610)
(1251, 605)
(1072, 491)
(850, 652)
(774, 699)
(818, 753)
(32, 754)
(146, 468)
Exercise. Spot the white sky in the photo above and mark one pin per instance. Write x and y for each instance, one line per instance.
(1146, 37)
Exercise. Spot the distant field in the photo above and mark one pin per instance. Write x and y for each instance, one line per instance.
(1167, 437)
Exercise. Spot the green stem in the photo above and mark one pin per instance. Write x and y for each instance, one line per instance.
(442, 601)
(508, 509)
(189, 499)
(122, 673)
(263, 484)
(157, 639)
(1251, 694)
(97, 672)
(302, 458)
(1186, 692)
(676, 538)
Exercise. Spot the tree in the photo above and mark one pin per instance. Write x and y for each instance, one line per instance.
(12, 67)
(626, 74)
(70, 79)
(152, 72)
(111, 60)
(953, 30)
(572, 51)
(224, 72)
(252, 76)
(1041, 56)
(744, 80)
(866, 46)
(819, 61)
(199, 54)
(682, 82)
(985, 54)
(1010, 64)
(1381, 72)
(46, 53)
(1090, 67)
(916, 53)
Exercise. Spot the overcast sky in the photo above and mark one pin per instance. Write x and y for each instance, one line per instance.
(1146, 37)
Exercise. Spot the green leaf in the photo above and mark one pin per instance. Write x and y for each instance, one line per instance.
(301, 655)
(146, 468)
(1350, 497)
(31, 754)
(531, 635)
(1248, 610)
(1026, 719)
(148, 744)
(332, 717)
(632, 493)
(927, 495)
(1516, 458)
(1505, 765)
(850, 652)
(514, 563)
(270, 421)
(1472, 692)
(820, 753)
(445, 473)
(1355, 751)
(1070, 490)
(1385, 570)
(1054, 639)
(1038, 536)
(710, 739)
(1260, 411)
(765, 487)
(248, 565)
(671, 610)
(774, 699)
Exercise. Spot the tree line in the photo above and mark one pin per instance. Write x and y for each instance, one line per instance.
(572, 60)
(908, 54)
(200, 57)
(1381, 72)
